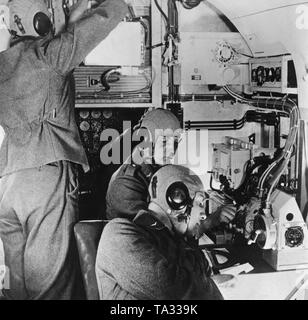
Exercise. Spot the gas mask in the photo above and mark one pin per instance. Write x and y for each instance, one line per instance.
(179, 199)
(30, 18)
(179, 193)
(189, 210)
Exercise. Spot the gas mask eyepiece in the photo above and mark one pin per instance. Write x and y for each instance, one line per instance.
(178, 197)
(42, 24)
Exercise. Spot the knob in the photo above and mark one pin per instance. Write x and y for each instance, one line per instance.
(84, 126)
(254, 239)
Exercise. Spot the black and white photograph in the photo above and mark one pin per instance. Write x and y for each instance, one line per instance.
(153, 150)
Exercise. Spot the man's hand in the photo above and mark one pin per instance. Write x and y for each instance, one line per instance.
(77, 10)
(224, 214)
(80, 7)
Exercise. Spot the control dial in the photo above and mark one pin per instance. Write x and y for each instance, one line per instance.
(294, 236)
(84, 114)
(107, 114)
(84, 126)
(96, 114)
(224, 53)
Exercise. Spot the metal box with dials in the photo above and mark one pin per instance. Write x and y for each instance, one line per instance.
(273, 74)
(212, 58)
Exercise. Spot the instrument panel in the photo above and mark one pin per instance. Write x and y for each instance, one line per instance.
(93, 184)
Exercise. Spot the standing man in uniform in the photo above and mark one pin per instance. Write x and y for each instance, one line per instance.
(42, 149)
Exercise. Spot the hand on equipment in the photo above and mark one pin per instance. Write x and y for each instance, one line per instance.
(224, 214)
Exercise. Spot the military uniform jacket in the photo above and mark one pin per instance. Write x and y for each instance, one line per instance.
(128, 190)
(144, 260)
(37, 93)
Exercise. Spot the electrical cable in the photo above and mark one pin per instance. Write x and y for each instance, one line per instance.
(131, 11)
(250, 116)
(129, 92)
(155, 46)
(292, 109)
(287, 156)
(145, 26)
(241, 53)
(163, 14)
(106, 75)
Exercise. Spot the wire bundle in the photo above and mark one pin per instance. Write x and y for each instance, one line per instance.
(279, 165)
(250, 116)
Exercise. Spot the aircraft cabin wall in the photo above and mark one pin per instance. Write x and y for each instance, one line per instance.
(211, 54)
(275, 28)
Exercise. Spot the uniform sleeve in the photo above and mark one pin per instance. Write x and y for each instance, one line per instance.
(68, 49)
(126, 196)
(126, 254)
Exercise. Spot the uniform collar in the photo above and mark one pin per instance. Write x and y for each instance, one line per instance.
(153, 220)
(149, 169)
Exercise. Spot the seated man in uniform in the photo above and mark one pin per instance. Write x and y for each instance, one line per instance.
(128, 188)
(149, 257)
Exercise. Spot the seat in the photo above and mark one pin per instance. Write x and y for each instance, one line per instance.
(87, 234)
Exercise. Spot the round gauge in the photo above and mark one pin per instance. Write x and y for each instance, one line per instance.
(84, 126)
(96, 114)
(294, 236)
(107, 114)
(96, 126)
(84, 114)
(224, 53)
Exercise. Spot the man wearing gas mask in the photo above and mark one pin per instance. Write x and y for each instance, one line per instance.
(149, 257)
(128, 188)
(41, 151)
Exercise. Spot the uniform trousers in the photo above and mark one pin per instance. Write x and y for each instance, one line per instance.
(38, 209)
